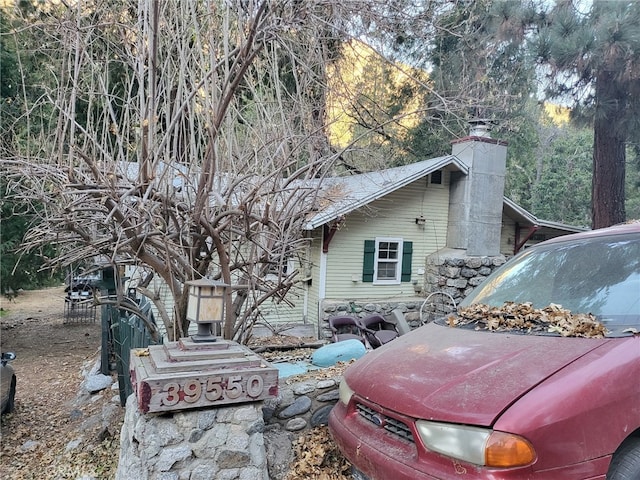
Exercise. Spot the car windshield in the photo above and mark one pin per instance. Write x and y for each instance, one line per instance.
(596, 275)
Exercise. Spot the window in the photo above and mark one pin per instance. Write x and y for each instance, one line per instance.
(387, 261)
(276, 271)
(387, 266)
(436, 177)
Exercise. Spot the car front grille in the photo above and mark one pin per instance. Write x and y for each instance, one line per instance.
(392, 425)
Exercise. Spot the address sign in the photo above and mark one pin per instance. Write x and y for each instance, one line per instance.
(176, 385)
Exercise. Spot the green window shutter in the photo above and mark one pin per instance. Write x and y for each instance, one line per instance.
(407, 252)
(368, 263)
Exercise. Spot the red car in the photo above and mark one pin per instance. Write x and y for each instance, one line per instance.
(536, 377)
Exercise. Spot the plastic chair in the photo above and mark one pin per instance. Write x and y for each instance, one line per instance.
(345, 328)
(377, 330)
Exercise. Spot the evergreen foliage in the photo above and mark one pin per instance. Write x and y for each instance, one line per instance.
(22, 76)
(20, 270)
(592, 53)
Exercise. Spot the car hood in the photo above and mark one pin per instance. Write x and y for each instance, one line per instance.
(457, 375)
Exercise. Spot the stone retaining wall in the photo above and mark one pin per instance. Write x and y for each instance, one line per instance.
(410, 307)
(301, 403)
(208, 444)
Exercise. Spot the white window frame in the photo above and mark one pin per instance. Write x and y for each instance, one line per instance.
(377, 260)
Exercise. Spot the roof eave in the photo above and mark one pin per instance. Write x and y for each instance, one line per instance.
(446, 161)
(533, 220)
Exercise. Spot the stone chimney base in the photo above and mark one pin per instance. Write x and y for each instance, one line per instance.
(453, 273)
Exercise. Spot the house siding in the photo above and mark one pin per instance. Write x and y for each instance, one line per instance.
(301, 305)
(273, 311)
(507, 236)
(391, 216)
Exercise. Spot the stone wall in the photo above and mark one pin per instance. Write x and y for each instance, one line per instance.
(245, 441)
(410, 307)
(456, 274)
(302, 403)
(207, 444)
(450, 275)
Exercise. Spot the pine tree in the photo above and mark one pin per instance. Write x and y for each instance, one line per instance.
(593, 58)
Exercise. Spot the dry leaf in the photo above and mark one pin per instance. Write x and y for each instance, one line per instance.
(523, 317)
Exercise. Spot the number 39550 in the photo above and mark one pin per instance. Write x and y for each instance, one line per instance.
(213, 388)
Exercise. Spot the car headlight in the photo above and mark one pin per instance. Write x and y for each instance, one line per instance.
(345, 393)
(479, 446)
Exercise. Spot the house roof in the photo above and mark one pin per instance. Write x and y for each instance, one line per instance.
(525, 218)
(343, 195)
(346, 194)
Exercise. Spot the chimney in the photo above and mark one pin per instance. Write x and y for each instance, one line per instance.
(476, 199)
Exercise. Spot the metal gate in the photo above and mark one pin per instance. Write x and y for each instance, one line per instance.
(79, 304)
(122, 332)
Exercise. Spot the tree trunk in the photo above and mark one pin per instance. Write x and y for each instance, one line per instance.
(608, 193)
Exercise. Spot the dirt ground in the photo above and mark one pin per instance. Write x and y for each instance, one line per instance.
(56, 434)
(53, 433)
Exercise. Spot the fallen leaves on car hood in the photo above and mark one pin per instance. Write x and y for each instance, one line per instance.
(461, 375)
(522, 316)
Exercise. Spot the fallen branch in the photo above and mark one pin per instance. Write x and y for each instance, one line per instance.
(276, 347)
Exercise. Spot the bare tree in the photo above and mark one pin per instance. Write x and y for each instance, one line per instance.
(182, 142)
(189, 137)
